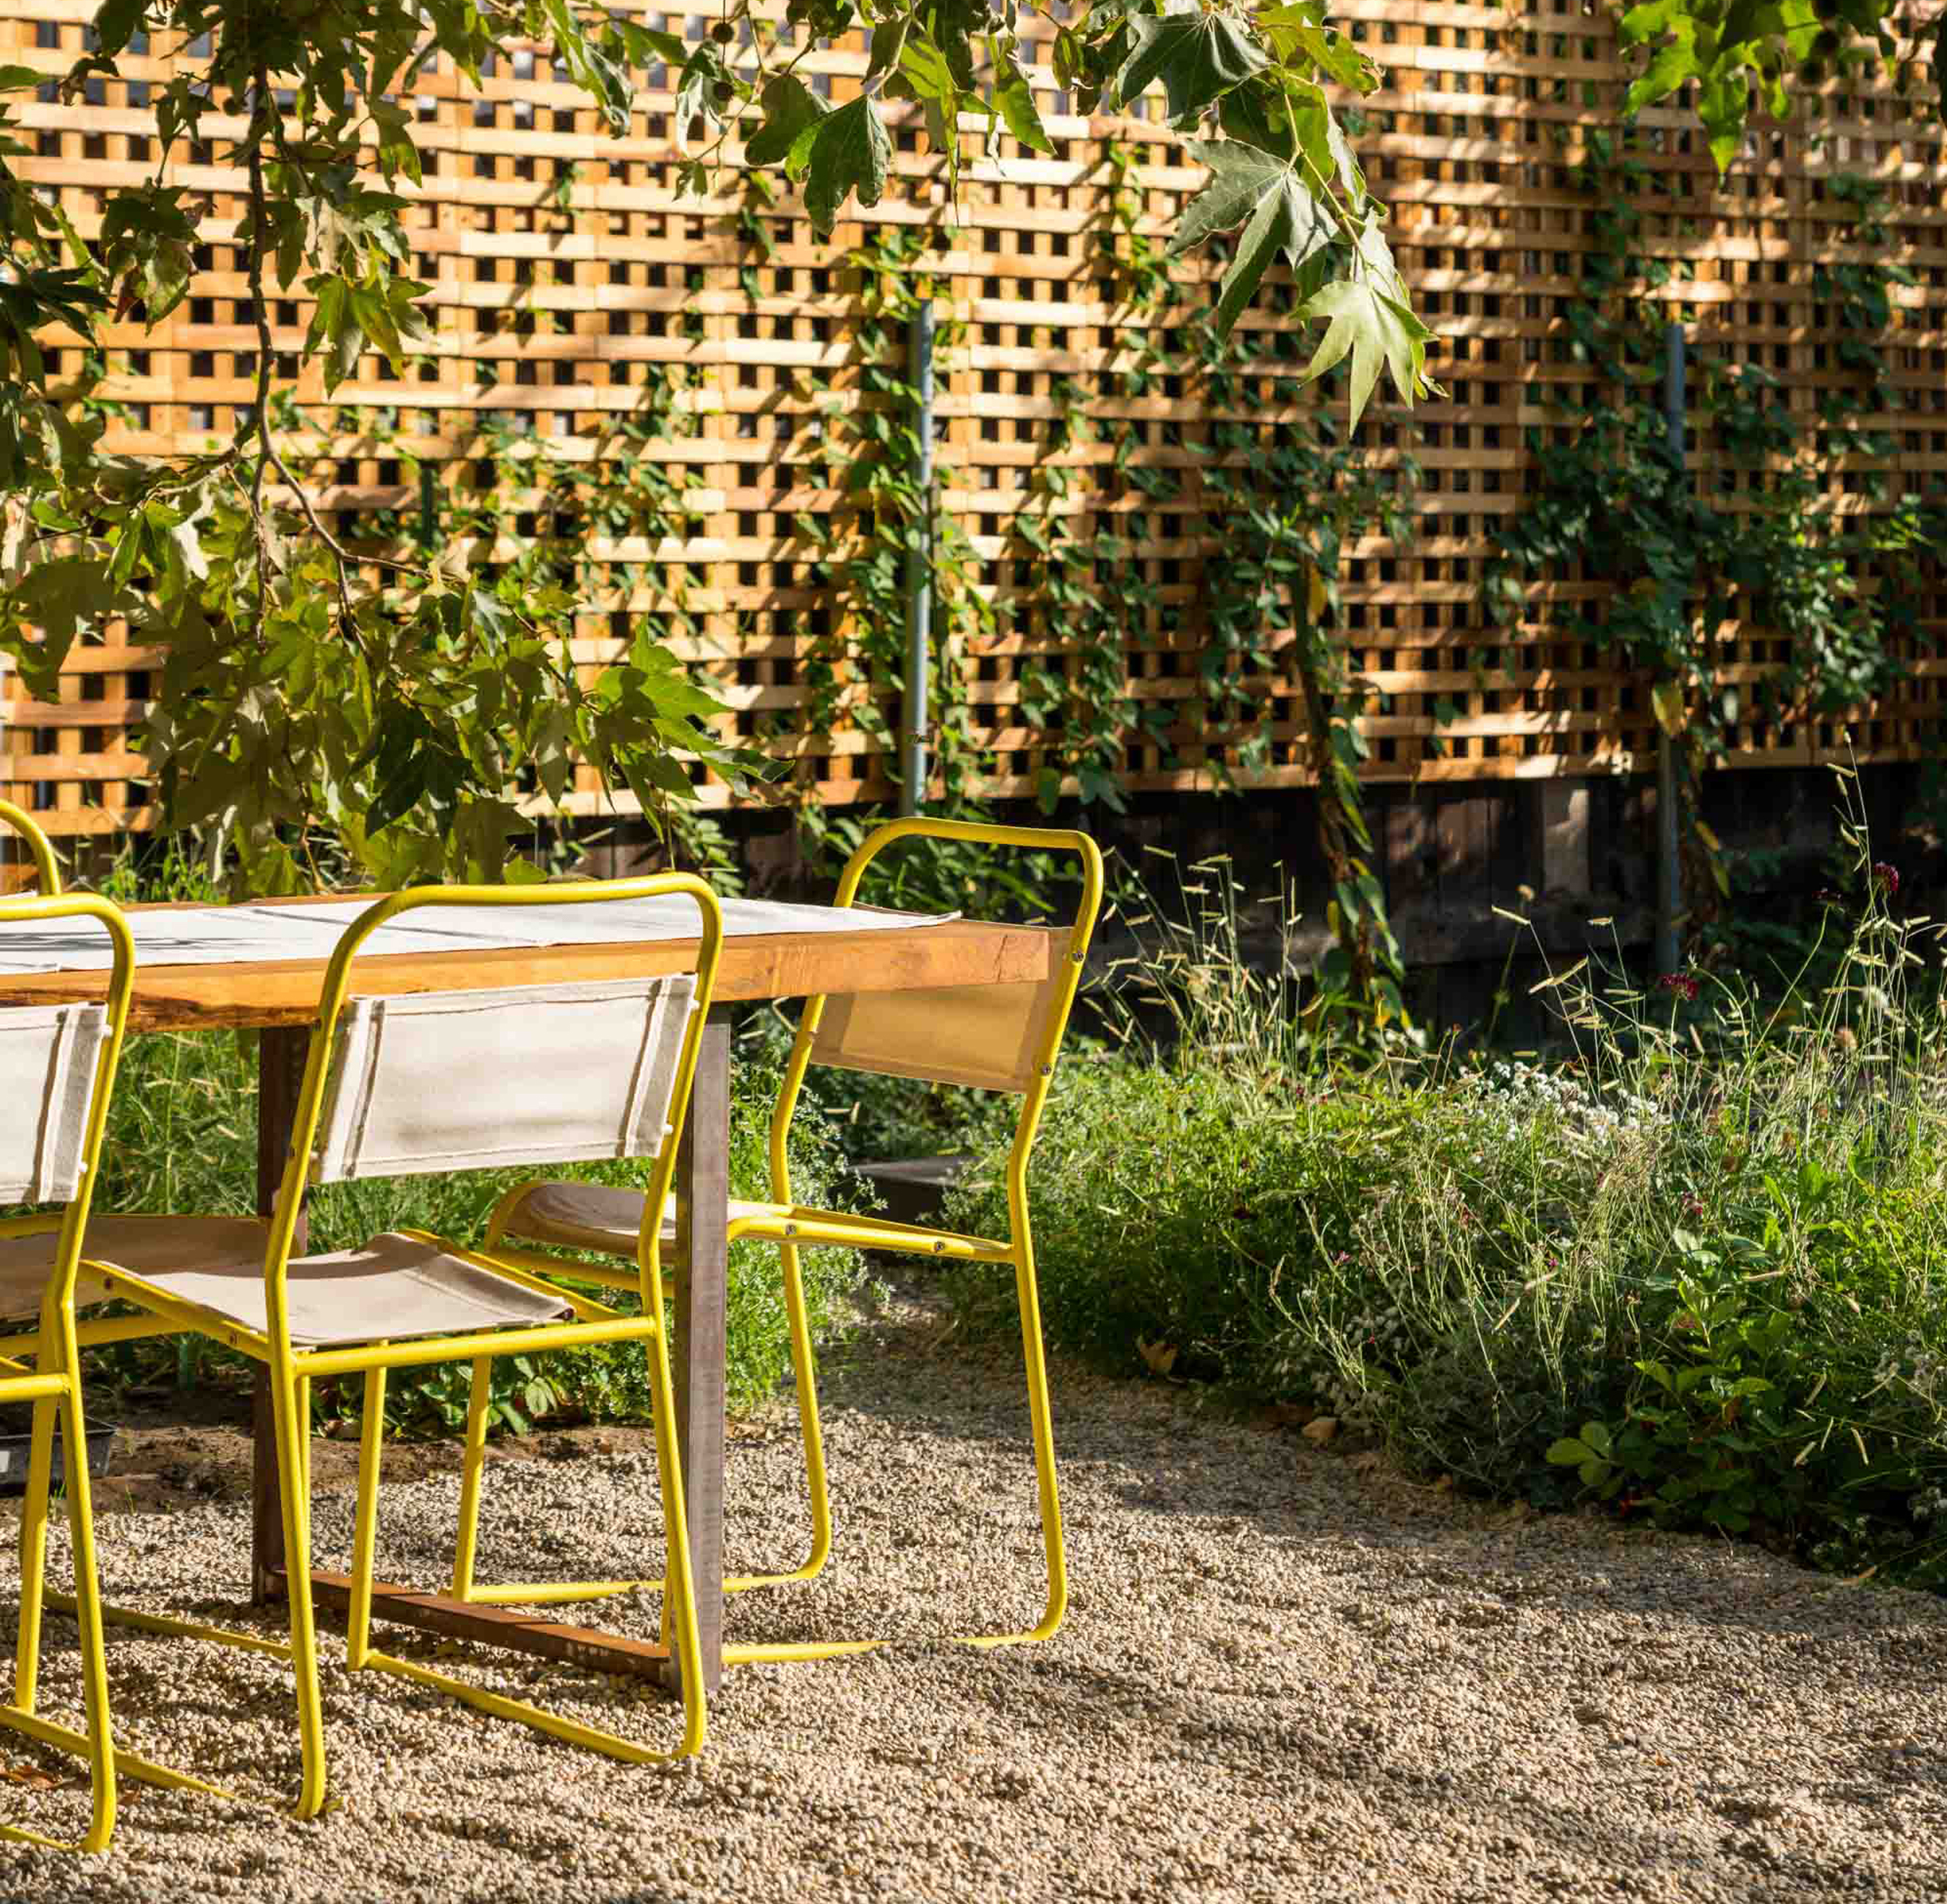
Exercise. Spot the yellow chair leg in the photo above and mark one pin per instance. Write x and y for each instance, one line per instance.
(680, 1603)
(473, 1464)
(364, 1558)
(303, 1449)
(804, 1378)
(556, 1592)
(291, 1447)
(1047, 1489)
(97, 1744)
(1041, 1422)
(94, 1661)
(34, 1554)
(679, 1598)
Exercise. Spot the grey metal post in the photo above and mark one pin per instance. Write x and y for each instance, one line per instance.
(919, 567)
(1669, 848)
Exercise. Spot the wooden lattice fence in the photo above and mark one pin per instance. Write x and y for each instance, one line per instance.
(569, 280)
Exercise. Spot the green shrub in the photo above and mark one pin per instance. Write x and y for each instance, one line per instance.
(1697, 1269)
(182, 1138)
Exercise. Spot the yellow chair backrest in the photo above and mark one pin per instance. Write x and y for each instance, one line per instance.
(38, 844)
(993, 1037)
(57, 1065)
(448, 1080)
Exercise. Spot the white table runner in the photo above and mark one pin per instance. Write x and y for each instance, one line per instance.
(244, 935)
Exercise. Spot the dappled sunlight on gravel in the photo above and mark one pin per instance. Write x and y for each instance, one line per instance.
(1285, 1675)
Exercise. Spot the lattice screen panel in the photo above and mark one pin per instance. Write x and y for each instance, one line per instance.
(564, 267)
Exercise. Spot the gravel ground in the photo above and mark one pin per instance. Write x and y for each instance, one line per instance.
(1285, 1676)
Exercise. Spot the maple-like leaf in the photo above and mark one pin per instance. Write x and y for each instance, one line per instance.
(1198, 56)
(1374, 328)
(1266, 196)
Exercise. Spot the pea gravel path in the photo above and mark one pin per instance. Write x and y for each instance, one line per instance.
(1285, 1676)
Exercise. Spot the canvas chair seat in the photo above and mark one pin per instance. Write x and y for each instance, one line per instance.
(594, 1216)
(162, 1244)
(396, 1286)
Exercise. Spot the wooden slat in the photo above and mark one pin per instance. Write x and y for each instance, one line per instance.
(593, 1650)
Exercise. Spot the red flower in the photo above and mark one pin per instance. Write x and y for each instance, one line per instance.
(1887, 876)
(1679, 981)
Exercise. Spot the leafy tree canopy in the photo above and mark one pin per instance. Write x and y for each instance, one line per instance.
(413, 714)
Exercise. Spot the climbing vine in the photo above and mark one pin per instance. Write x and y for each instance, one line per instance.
(1686, 565)
(527, 522)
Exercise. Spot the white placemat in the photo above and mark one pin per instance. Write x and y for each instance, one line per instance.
(240, 934)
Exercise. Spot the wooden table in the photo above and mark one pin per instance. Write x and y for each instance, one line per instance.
(278, 1000)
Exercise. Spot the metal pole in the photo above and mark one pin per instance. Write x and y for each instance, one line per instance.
(1669, 849)
(919, 566)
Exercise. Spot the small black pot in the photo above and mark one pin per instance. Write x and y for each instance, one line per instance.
(14, 1450)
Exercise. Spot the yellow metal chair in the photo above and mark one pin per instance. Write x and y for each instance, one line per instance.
(57, 1070)
(995, 1038)
(394, 1086)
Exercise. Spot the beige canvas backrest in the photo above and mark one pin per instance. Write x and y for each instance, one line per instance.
(469, 1080)
(49, 1055)
(989, 1037)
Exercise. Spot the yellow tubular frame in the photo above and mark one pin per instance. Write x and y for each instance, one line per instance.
(38, 844)
(292, 1369)
(55, 1389)
(792, 1228)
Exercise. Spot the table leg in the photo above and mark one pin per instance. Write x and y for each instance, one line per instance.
(280, 1071)
(703, 1195)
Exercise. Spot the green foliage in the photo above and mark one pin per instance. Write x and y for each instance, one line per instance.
(1297, 493)
(869, 449)
(411, 714)
(1729, 49)
(1697, 1271)
(1284, 498)
(1765, 546)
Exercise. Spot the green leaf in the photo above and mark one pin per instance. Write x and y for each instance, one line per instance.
(592, 67)
(672, 48)
(1373, 329)
(1567, 1453)
(1283, 218)
(1328, 49)
(1015, 99)
(1199, 57)
(1666, 703)
(1324, 143)
(789, 110)
(703, 71)
(850, 152)
(1646, 21)
(1240, 177)
(1674, 62)
(60, 597)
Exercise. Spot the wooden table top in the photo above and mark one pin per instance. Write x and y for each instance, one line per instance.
(283, 992)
